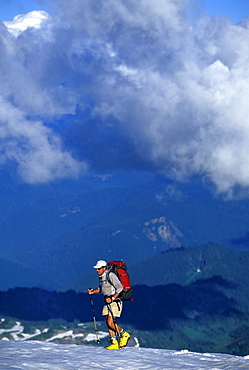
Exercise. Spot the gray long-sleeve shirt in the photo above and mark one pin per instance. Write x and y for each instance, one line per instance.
(107, 288)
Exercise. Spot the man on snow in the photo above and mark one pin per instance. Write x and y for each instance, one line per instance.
(111, 287)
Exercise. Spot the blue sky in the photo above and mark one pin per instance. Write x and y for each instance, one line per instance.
(10, 8)
(114, 85)
(234, 9)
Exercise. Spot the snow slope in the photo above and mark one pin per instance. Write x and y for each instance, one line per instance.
(43, 355)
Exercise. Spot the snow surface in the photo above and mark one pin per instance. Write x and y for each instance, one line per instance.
(44, 355)
(17, 333)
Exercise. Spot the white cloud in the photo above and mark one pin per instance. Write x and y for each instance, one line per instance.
(34, 147)
(21, 22)
(143, 89)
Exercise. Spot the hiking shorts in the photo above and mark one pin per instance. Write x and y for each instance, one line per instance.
(116, 308)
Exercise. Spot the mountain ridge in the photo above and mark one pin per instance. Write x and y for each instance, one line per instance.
(185, 266)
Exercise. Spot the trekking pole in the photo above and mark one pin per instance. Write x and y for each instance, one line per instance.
(114, 321)
(94, 320)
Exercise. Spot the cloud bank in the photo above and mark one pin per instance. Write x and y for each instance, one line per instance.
(127, 84)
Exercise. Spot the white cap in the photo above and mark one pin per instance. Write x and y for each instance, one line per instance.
(99, 264)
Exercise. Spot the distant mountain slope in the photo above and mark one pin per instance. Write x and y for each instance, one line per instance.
(61, 229)
(187, 265)
(16, 275)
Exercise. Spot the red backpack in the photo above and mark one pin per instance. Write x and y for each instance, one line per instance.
(120, 269)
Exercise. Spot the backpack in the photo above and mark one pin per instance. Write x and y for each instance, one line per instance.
(120, 269)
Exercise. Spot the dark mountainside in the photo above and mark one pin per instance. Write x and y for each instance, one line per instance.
(170, 301)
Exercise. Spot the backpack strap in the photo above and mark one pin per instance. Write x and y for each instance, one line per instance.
(108, 278)
(110, 282)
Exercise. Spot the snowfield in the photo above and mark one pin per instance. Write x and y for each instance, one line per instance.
(44, 355)
(25, 353)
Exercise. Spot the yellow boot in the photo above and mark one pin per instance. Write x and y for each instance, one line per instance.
(113, 345)
(124, 339)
